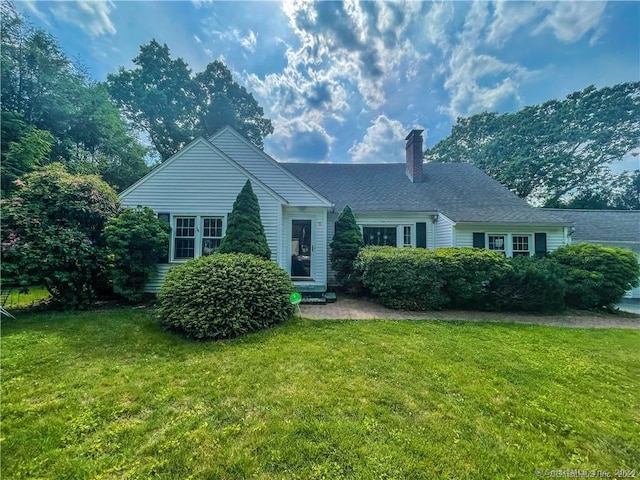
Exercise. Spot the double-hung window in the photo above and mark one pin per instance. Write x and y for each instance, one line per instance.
(521, 246)
(406, 236)
(184, 245)
(497, 243)
(380, 236)
(211, 234)
(196, 235)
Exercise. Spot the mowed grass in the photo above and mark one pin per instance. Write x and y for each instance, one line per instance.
(110, 395)
(18, 299)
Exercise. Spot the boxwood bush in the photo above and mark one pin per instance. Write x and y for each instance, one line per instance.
(596, 276)
(466, 272)
(403, 278)
(224, 295)
(528, 284)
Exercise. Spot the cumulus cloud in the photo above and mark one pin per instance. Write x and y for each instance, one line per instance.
(92, 17)
(299, 141)
(383, 142)
(249, 42)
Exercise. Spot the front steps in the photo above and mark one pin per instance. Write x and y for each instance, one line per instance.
(314, 295)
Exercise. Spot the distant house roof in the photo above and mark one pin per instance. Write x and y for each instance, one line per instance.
(606, 226)
(460, 191)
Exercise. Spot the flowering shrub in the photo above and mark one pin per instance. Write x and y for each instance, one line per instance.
(52, 233)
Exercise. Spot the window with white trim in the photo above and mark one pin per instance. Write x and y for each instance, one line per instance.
(521, 245)
(184, 245)
(211, 234)
(406, 236)
(497, 243)
(380, 236)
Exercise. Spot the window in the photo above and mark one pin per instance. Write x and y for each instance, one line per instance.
(406, 236)
(520, 245)
(497, 243)
(185, 238)
(211, 234)
(380, 236)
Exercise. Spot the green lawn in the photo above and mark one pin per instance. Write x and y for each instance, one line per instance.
(18, 299)
(110, 395)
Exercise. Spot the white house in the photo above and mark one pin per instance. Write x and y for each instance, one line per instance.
(407, 204)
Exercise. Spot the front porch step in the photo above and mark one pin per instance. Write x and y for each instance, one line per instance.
(313, 300)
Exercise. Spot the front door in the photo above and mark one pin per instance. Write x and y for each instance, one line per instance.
(301, 248)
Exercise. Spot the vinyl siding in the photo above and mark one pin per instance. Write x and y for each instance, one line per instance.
(331, 230)
(443, 232)
(267, 170)
(464, 233)
(202, 182)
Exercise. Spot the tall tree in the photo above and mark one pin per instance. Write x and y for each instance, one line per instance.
(245, 232)
(548, 151)
(161, 97)
(55, 100)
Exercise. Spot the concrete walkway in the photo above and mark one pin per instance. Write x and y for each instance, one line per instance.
(362, 308)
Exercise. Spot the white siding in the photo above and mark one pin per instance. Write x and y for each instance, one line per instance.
(156, 281)
(202, 182)
(443, 232)
(267, 170)
(464, 233)
(331, 230)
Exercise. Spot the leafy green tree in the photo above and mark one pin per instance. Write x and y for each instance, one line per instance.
(52, 233)
(347, 242)
(136, 239)
(44, 90)
(161, 97)
(23, 148)
(550, 150)
(245, 232)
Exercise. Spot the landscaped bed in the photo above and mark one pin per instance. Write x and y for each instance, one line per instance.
(109, 394)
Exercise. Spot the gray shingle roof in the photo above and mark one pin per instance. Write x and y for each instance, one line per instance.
(608, 226)
(459, 190)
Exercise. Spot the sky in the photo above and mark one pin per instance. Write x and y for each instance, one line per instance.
(346, 81)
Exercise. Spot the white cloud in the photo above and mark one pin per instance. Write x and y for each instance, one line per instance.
(31, 5)
(249, 42)
(92, 17)
(570, 21)
(382, 143)
(509, 17)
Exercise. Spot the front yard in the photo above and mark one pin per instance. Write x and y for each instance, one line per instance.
(108, 394)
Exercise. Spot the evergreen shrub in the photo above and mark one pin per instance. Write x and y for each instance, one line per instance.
(466, 273)
(403, 278)
(224, 296)
(596, 276)
(347, 242)
(528, 284)
(245, 232)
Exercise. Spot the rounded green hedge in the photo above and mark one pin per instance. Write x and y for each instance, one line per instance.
(224, 296)
(596, 276)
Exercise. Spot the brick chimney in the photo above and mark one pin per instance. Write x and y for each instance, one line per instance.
(414, 155)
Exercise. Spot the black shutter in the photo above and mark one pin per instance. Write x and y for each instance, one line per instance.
(541, 244)
(421, 235)
(165, 217)
(478, 239)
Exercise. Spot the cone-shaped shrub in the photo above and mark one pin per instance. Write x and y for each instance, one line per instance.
(347, 242)
(245, 233)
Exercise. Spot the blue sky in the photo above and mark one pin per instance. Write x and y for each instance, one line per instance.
(345, 82)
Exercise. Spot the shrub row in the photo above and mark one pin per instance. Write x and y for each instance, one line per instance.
(580, 276)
